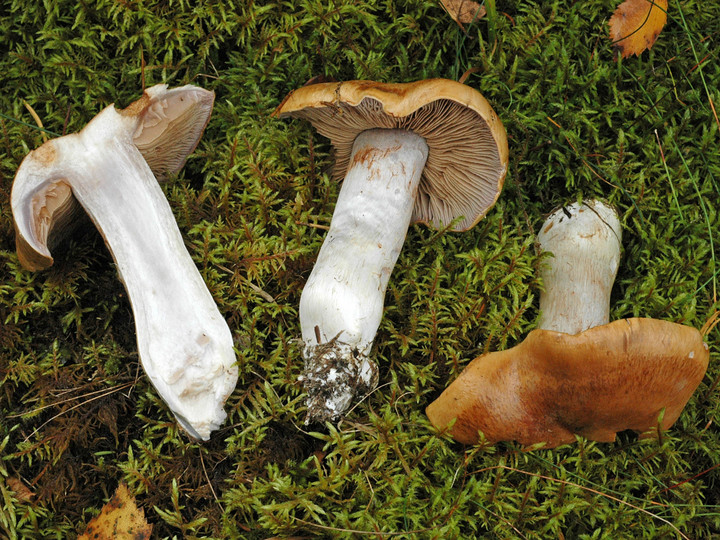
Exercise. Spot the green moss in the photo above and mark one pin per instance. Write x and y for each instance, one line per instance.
(78, 416)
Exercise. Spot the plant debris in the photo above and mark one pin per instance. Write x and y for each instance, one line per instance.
(636, 25)
(119, 519)
(464, 11)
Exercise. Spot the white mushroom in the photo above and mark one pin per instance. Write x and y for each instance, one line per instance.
(342, 302)
(184, 343)
(431, 152)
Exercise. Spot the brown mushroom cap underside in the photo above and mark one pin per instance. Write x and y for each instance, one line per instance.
(173, 122)
(553, 386)
(468, 152)
(53, 214)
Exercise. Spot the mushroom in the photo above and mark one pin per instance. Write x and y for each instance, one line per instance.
(432, 152)
(577, 374)
(184, 343)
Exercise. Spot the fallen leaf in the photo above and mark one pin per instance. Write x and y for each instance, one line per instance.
(22, 492)
(464, 11)
(119, 519)
(636, 24)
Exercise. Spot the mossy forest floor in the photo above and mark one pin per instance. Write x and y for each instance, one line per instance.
(77, 414)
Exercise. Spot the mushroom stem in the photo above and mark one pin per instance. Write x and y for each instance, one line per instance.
(184, 343)
(584, 240)
(342, 302)
(140, 230)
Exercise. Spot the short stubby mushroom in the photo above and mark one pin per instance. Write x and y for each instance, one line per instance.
(184, 343)
(577, 374)
(432, 152)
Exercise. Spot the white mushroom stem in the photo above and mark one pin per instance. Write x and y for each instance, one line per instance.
(342, 302)
(585, 241)
(184, 343)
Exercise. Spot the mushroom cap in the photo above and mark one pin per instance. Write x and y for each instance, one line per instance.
(171, 124)
(553, 385)
(468, 151)
(165, 126)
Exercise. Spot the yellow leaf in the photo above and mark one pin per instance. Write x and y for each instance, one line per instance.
(463, 11)
(636, 24)
(119, 519)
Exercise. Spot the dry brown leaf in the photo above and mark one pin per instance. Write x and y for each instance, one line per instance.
(119, 519)
(636, 24)
(22, 492)
(464, 11)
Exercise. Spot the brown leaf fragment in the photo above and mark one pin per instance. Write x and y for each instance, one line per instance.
(22, 492)
(464, 11)
(119, 519)
(636, 24)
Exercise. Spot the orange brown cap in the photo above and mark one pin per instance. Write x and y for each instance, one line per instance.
(468, 151)
(553, 385)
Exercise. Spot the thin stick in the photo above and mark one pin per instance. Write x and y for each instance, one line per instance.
(323, 227)
(710, 323)
(202, 462)
(37, 120)
(265, 295)
(68, 410)
(38, 409)
(712, 106)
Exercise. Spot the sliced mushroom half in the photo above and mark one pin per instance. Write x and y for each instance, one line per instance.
(184, 343)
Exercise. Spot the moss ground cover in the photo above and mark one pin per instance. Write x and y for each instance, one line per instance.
(76, 413)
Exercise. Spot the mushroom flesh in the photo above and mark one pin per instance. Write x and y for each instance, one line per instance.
(184, 344)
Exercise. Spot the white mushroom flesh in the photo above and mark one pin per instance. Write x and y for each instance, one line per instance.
(184, 343)
(584, 240)
(342, 303)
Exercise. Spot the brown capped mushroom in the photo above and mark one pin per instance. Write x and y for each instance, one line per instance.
(553, 385)
(431, 152)
(578, 374)
(184, 343)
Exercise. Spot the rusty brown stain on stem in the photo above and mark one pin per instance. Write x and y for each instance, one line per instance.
(370, 153)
